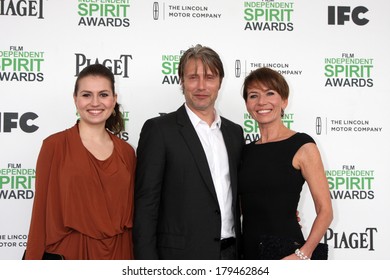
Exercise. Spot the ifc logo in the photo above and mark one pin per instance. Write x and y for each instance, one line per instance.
(344, 14)
(11, 120)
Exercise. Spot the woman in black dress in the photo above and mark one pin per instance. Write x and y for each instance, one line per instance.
(273, 171)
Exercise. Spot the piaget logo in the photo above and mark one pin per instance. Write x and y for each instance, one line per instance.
(119, 66)
(104, 13)
(20, 65)
(268, 15)
(251, 127)
(351, 183)
(363, 239)
(22, 8)
(16, 182)
(348, 71)
(170, 65)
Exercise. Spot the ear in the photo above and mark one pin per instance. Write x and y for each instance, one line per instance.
(284, 104)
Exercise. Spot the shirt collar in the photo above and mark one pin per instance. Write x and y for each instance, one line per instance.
(195, 120)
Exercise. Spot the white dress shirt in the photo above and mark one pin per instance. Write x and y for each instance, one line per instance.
(217, 158)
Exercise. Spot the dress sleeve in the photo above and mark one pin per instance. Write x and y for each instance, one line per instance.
(306, 138)
(37, 235)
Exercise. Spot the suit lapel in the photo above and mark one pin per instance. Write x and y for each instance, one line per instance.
(195, 146)
(230, 147)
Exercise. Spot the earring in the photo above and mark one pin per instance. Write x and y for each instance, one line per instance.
(114, 113)
(282, 113)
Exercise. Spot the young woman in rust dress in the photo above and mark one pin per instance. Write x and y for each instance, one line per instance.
(83, 205)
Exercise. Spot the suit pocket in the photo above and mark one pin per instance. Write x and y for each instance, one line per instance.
(168, 240)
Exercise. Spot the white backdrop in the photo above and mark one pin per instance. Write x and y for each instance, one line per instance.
(334, 54)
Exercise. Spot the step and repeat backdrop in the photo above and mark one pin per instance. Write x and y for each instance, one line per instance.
(334, 54)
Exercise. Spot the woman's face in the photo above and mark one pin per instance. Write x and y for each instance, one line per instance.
(265, 105)
(94, 99)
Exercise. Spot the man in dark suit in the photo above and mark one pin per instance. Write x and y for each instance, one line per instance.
(186, 203)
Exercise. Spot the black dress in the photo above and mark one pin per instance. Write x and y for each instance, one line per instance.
(269, 189)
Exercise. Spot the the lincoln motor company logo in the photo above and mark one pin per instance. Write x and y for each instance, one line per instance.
(237, 68)
(166, 10)
(156, 10)
(328, 125)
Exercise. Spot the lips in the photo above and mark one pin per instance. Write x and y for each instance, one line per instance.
(95, 111)
(201, 96)
(263, 111)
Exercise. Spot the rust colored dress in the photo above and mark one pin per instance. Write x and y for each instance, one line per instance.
(83, 207)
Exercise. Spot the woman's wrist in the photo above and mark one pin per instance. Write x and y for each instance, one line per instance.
(301, 255)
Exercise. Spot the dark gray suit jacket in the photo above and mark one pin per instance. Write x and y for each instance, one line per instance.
(177, 214)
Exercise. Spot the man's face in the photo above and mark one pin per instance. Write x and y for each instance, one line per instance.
(200, 86)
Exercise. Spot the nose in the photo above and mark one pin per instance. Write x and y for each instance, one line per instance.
(261, 100)
(202, 82)
(95, 100)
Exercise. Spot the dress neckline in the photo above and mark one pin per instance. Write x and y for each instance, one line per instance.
(274, 142)
(92, 155)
